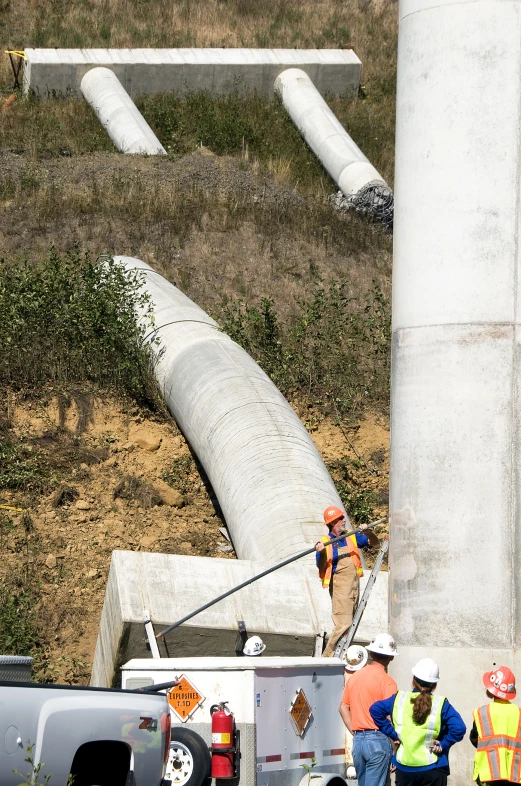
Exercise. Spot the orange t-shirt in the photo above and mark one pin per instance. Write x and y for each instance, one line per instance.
(370, 684)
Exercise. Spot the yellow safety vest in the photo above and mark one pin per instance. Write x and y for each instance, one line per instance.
(416, 740)
(498, 756)
(326, 571)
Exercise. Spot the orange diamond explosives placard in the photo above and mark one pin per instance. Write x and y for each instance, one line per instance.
(184, 698)
(300, 712)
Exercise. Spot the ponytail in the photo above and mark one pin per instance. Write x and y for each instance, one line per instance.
(422, 703)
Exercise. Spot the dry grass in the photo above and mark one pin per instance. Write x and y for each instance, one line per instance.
(143, 494)
(197, 23)
(52, 128)
(368, 26)
(237, 235)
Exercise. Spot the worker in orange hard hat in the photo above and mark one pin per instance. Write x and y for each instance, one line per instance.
(496, 732)
(340, 567)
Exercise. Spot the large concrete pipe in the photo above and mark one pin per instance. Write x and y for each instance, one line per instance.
(269, 478)
(356, 177)
(455, 585)
(118, 114)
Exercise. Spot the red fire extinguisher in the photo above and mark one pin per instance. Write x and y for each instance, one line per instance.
(223, 747)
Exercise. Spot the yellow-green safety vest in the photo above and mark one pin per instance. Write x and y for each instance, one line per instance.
(414, 750)
(498, 755)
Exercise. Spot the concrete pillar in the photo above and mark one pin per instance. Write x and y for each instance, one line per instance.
(118, 114)
(455, 463)
(356, 177)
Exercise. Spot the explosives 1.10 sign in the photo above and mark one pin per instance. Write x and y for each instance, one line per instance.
(184, 698)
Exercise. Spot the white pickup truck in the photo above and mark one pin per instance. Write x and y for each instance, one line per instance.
(100, 736)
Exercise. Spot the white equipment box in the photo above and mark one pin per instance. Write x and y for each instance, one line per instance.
(286, 711)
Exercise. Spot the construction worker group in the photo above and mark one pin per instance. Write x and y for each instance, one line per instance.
(409, 732)
(412, 731)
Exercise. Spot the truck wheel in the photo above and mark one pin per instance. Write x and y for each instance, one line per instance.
(189, 759)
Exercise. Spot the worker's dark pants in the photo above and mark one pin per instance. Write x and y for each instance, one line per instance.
(495, 783)
(434, 777)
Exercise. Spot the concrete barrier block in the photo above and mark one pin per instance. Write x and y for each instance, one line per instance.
(287, 608)
(52, 71)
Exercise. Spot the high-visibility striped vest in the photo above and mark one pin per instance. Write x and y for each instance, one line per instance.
(416, 740)
(326, 570)
(498, 756)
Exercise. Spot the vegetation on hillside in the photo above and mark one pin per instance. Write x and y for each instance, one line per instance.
(304, 290)
(67, 319)
(224, 125)
(335, 351)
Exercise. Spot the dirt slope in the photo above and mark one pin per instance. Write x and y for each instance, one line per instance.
(107, 482)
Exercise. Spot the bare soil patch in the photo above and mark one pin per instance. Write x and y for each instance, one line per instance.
(68, 547)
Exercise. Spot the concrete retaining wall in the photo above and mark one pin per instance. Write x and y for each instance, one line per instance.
(144, 71)
(287, 608)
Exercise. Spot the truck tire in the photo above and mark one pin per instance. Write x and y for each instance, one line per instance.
(189, 759)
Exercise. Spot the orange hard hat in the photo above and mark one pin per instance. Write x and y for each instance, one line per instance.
(333, 514)
(501, 682)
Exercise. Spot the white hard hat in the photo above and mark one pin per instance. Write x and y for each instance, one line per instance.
(383, 644)
(254, 646)
(355, 657)
(427, 670)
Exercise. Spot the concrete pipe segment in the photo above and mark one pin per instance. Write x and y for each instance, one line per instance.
(118, 114)
(339, 155)
(455, 449)
(269, 478)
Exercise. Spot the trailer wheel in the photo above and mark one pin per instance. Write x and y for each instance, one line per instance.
(189, 759)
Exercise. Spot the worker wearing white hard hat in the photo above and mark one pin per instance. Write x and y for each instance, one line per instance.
(254, 646)
(422, 727)
(371, 748)
(355, 658)
(383, 644)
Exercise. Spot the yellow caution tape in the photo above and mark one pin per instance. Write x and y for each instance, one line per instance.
(10, 507)
(18, 52)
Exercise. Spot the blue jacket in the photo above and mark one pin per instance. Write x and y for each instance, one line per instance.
(452, 730)
(361, 541)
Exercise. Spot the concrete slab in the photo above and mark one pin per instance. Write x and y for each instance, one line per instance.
(287, 608)
(143, 71)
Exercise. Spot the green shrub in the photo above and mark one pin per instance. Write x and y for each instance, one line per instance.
(335, 352)
(229, 124)
(20, 469)
(358, 502)
(18, 622)
(180, 474)
(66, 318)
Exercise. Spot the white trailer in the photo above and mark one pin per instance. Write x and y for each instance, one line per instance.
(286, 713)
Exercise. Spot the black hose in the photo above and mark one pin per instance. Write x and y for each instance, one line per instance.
(256, 578)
